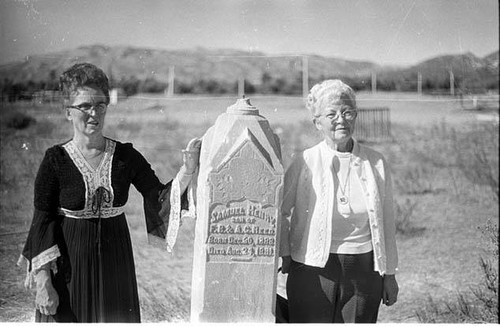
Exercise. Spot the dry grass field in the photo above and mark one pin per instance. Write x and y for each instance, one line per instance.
(444, 159)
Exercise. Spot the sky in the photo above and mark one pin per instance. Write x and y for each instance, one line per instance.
(388, 32)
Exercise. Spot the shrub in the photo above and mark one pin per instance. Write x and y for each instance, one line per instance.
(130, 86)
(480, 304)
(151, 85)
(404, 221)
(183, 88)
(477, 156)
(470, 152)
(414, 180)
(18, 120)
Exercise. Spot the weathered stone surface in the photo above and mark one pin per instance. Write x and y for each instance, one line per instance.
(238, 201)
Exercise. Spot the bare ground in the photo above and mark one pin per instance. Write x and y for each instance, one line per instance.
(438, 262)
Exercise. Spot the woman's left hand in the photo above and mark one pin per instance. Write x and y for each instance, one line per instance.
(191, 155)
(391, 289)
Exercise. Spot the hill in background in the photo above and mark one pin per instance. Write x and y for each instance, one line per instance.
(217, 71)
(471, 73)
(190, 65)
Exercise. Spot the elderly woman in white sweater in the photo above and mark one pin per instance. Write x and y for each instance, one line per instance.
(338, 232)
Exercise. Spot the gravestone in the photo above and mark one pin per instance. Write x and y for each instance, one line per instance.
(238, 196)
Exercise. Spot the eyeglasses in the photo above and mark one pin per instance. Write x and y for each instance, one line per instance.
(87, 107)
(333, 115)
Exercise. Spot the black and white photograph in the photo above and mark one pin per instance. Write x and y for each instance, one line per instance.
(249, 161)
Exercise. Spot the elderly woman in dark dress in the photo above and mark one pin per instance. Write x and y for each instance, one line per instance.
(79, 249)
(338, 233)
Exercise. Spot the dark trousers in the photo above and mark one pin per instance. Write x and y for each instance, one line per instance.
(281, 310)
(346, 290)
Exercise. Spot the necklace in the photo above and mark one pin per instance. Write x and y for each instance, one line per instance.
(344, 197)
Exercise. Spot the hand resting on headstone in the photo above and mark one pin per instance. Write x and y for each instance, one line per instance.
(191, 155)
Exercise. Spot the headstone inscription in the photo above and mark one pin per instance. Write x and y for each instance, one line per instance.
(238, 196)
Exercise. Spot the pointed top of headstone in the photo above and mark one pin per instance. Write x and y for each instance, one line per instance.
(243, 106)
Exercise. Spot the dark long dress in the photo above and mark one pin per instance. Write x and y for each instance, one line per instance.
(79, 227)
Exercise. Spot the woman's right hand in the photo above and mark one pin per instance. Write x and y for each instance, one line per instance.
(191, 155)
(47, 299)
(285, 265)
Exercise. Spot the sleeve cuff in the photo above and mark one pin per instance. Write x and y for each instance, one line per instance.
(48, 256)
(45, 257)
(174, 216)
(184, 178)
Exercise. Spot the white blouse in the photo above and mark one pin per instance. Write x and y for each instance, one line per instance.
(350, 224)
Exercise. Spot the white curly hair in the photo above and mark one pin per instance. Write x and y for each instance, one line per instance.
(329, 92)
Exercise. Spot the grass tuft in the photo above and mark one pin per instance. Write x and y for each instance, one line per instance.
(480, 303)
(405, 224)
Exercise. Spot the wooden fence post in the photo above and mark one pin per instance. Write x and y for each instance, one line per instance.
(241, 86)
(419, 84)
(374, 82)
(305, 76)
(452, 83)
(171, 81)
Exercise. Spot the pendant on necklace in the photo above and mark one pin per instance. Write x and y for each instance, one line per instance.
(343, 200)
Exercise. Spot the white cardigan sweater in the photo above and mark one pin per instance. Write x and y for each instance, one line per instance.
(307, 210)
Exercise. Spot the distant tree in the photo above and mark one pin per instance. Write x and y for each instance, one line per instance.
(212, 86)
(278, 85)
(266, 83)
(492, 83)
(53, 81)
(130, 86)
(443, 84)
(265, 78)
(384, 84)
(151, 85)
(6, 89)
(18, 92)
(427, 85)
(183, 88)
(249, 87)
(32, 86)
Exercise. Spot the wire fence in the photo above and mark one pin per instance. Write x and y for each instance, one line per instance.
(373, 124)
